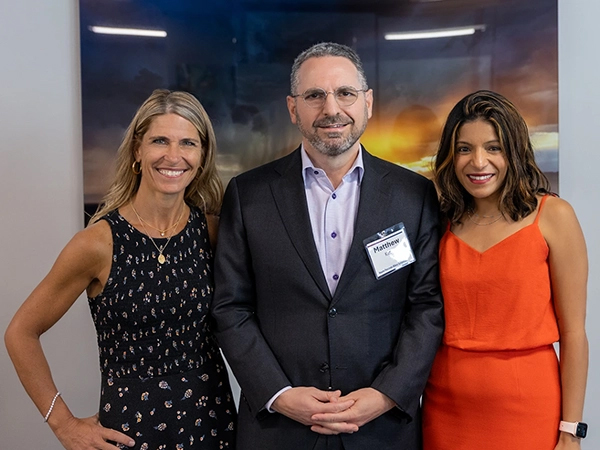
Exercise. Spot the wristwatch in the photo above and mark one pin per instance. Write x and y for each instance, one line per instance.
(577, 429)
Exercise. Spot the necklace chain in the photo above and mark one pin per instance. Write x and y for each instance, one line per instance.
(162, 232)
(161, 258)
(484, 216)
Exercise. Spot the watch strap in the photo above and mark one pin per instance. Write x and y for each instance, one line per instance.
(568, 427)
(577, 429)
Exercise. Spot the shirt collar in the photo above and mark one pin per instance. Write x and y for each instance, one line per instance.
(307, 165)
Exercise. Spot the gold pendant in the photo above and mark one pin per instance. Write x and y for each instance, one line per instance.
(161, 259)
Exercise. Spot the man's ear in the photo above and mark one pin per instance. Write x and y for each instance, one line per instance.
(291, 105)
(369, 101)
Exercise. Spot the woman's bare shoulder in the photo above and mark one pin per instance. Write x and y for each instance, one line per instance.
(93, 243)
(558, 218)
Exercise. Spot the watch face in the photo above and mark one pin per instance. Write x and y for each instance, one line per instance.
(581, 431)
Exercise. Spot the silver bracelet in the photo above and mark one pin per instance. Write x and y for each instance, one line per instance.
(51, 407)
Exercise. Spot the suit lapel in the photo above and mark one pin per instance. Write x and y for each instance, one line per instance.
(372, 196)
(290, 198)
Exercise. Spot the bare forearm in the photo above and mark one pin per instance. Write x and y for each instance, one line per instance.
(25, 351)
(573, 369)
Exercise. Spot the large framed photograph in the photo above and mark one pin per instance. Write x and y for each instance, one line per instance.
(236, 56)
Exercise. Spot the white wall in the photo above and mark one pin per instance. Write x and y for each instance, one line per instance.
(41, 190)
(579, 162)
(41, 201)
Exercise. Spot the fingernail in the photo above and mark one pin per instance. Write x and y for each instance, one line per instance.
(131, 443)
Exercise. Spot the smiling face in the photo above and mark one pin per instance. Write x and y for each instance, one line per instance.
(170, 155)
(331, 129)
(479, 160)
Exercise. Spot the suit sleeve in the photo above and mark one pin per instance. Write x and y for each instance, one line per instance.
(404, 378)
(234, 309)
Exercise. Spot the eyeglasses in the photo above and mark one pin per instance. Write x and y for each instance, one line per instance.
(344, 96)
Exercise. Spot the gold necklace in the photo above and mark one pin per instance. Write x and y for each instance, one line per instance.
(162, 232)
(485, 216)
(161, 258)
(481, 224)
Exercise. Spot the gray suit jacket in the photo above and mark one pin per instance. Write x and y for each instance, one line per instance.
(278, 324)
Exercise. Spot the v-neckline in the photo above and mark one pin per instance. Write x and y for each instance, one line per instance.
(493, 245)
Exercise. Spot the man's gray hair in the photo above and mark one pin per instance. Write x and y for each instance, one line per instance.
(327, 49)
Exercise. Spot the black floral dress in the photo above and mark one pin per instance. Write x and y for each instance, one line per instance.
(164, 382)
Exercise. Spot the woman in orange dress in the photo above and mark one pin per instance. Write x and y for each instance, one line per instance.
(513, 268)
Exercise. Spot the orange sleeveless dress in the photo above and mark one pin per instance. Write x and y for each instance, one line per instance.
(495, 381)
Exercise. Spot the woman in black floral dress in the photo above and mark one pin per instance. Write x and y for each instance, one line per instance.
(146, 264)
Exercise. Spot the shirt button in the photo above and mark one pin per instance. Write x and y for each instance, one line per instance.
(316, 172)
(332, 312)
(334, 235)
(333, 196)
(335, 276)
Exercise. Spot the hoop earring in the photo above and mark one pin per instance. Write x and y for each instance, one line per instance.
(133, 168)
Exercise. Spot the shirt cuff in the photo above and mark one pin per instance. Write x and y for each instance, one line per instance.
(272, 400)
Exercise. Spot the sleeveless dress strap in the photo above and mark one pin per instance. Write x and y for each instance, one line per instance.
(542, 201)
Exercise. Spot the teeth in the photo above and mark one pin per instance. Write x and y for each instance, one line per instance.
(480, 177)
(171, 173)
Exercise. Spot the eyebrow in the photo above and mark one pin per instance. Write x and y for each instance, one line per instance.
(162, 136)
(493, 141)
(345, 86)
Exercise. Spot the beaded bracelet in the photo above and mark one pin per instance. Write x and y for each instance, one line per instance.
(51, 407)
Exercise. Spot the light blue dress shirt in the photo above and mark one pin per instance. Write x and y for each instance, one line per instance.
(332, 214)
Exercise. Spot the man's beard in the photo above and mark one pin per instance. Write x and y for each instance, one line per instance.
(340, 144)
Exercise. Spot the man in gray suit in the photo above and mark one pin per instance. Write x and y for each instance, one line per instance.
(327, 299)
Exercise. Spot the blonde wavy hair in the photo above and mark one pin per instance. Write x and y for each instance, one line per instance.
(206, 189)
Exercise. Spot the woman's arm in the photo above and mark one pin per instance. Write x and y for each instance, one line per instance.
(569, 272)
(83, 264)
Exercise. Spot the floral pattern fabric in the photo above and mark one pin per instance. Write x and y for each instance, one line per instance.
(164, 382)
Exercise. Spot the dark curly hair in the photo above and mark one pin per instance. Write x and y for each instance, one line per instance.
(524, 179)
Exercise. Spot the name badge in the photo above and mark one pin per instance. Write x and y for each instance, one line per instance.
(389, 250)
